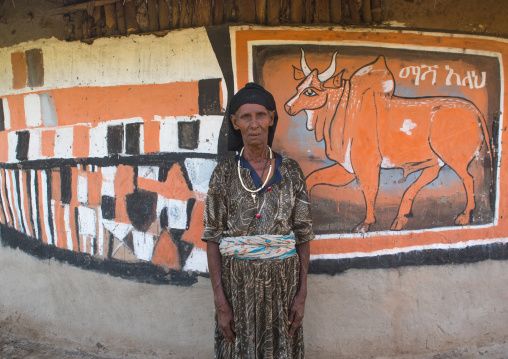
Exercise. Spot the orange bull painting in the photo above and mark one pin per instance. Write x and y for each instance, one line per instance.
(104, 164)
(367, 128)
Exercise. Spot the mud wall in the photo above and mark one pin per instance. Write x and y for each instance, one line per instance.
(107, 148)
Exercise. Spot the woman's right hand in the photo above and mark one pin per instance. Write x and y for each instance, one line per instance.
(226, 320)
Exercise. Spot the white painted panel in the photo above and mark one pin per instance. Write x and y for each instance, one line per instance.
(168, 138)
(197, 261)
(209, 130)
(149, 172)
(108, 181)
(141, 139)
(12, 139)
(82, 189)
(119, 230)
(33, 113)
(99, 141)
(87, 221)
(177, 213)
(7, 114)
(64, 138)
(176, 209)
(35, 212)
(70, 244)
(35, 146)
(45, 207)
(100, 233)
(143, 245)
(200, 170)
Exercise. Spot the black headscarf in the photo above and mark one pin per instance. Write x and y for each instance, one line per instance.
(251, 93)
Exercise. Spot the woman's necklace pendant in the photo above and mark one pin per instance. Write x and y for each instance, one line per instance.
(253, 197)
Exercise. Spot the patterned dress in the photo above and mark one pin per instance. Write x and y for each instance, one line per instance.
(260, 291)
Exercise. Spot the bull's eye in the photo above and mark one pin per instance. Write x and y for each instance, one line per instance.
(310, 93)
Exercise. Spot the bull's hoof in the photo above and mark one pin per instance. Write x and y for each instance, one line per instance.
(399, 223)
(463, 219)
(362, 227)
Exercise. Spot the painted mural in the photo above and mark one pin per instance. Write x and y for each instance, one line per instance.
(386, 140)
(106, 149)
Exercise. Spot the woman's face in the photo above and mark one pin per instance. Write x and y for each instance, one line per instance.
(253, 121)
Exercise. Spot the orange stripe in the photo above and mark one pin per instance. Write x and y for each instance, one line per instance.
(152, 131)
(81, 143)
(4, 146)
(48, 143)
(17, 110)
(13, 204)
(61, 234)
(98, 104)
(58, 217)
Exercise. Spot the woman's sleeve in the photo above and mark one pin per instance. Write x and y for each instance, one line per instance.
(215, 216)
(302, 219)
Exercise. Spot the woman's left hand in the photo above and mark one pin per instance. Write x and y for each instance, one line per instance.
(296, 313)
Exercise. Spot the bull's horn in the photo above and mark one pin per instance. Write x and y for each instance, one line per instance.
(303, 64)
(325, 75)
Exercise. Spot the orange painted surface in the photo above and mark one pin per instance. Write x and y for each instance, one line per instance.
(152, 132)
(98, 104)
(195, 232)
(4, 146)
(60, 226)
(166, 252)
(81, 143)
(124, 184)
(94, 188)
(48, 143)
(55, 186)
(175, 186)
(19, 71)
(17, 109)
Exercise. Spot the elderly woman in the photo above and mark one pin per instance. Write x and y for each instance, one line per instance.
(257, 228)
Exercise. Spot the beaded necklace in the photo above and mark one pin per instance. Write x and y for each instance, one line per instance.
(251, 191)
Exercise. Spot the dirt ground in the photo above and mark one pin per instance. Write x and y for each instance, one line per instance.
(15, 347)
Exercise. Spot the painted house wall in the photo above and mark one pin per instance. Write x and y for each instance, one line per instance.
(106, 151)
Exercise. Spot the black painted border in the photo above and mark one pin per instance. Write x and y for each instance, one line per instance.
(144, 272)
(147, 272)
(425, 257)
